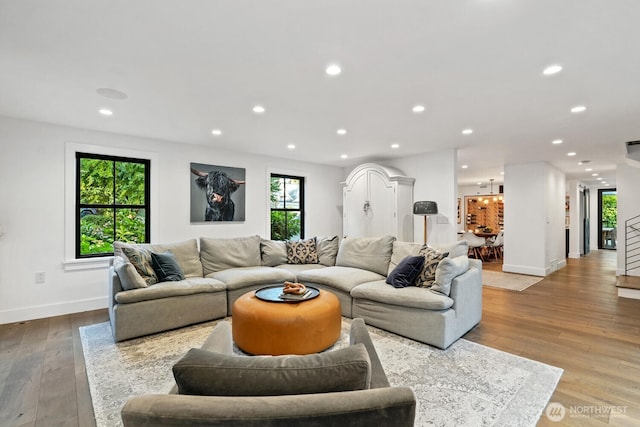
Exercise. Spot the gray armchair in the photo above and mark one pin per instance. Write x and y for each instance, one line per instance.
(232, 382)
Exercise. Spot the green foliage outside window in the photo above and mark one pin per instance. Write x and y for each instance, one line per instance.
(286, 222)
(112, 204)
(609, 210)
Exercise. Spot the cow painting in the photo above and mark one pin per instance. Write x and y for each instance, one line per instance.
(218, 187)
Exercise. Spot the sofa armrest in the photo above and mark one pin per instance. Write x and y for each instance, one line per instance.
(466, 292)
(360, 334)
(384, 406)
(220, 340)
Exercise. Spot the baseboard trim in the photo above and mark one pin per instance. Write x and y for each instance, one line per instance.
(50, 310)
(521, 269)
(629, 293)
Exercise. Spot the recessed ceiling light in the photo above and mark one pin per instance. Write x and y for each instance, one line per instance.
(578, 109)
(105, 112)
(579, 163)
(216, 132)
(599, 178)
(464, 166)
(333, 69)
(291, 146)
(111, 93)
(467, 131)
(594, 174)
(395, 145)
(341, 131)
(604, 182)
(258, 109)
(552, 69)
(572, 153)
(588, 169)
(418, 108)
(479, 183)
(557, 141)
(343, 156)
(502, 173)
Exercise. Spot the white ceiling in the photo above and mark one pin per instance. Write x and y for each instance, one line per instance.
(191, 66)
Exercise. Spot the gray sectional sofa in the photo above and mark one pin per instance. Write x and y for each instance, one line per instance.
(218, 271)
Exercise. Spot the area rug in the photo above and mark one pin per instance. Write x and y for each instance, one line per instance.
(511, 281)
(466, 385)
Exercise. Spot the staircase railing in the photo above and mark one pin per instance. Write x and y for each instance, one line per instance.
(632, 244)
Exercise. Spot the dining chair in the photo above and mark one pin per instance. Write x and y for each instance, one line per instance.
(496, 246)
(477, 244)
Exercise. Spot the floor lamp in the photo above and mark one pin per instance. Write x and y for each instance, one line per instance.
(425, 209)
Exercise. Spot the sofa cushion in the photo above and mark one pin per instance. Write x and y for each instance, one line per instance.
(432, 258)
(166, 267)
(368, 253)
(186, 253)
(302, 252)
(206, 373)
(140, 258)
(295, 269)
(241, 277)
(406, 272)
(189, 286)
(410, 296)
(342, 278)
(456, 249)
(128, 275)
(327, 248)
(221, 254)
(401, 250)
(448, 269)
(273, 252)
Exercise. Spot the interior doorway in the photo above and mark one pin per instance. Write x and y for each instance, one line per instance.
(607, 218)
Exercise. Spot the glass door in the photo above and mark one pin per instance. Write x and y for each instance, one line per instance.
(607, 218)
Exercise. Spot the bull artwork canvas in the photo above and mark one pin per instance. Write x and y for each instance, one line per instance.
(217, 193)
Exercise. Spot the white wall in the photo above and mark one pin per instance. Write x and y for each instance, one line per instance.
(33, 199)
(436, 177)
(533, 218)
(627, 178)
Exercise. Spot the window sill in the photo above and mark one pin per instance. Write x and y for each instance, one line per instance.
(86, 264)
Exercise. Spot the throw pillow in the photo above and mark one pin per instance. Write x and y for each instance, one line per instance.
(432, 258)
(302, 252)
(206, 373)
(129, 277)
(449, 269)
(406, 272)
(141, 260)
(166, 267)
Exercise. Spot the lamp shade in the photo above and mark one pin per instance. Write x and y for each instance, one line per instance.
(425, 208)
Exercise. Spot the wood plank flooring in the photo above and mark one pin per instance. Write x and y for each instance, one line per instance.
(572, 319)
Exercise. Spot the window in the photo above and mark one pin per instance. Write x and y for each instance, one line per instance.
(112, 203)
(287, 207)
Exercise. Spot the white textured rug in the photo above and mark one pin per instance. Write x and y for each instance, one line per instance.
(466, 385)
(511, 281)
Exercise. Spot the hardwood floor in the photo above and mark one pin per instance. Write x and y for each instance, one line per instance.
(572, 319)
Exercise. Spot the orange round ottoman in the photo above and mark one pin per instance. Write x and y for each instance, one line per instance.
(276, 328)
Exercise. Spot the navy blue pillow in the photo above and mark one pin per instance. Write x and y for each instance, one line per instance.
(406, 272)
(166, 267)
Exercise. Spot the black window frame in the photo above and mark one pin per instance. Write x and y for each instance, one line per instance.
(301, 208)
(114, 206)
